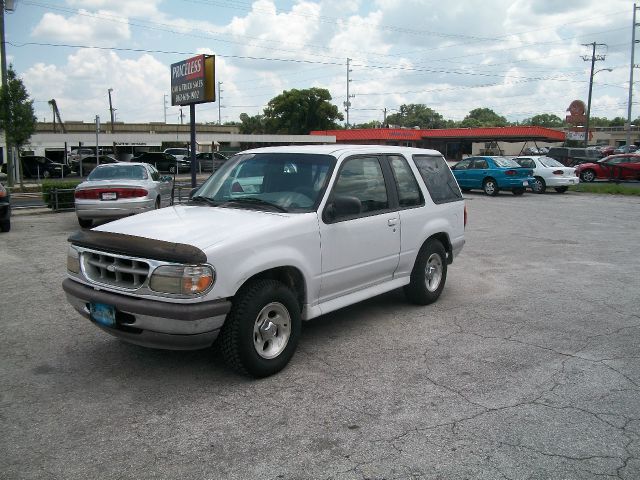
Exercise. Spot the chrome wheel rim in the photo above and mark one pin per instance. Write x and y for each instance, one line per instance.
(537, 185)
(489, 187)
(272, 330)
(588, 176)
(433, 272)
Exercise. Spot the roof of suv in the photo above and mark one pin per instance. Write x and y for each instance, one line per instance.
(342, 149)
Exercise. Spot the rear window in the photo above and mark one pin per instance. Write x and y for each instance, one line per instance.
(437, 176)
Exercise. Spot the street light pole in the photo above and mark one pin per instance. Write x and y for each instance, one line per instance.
(593, 61)
(633, 46)
(111, 108)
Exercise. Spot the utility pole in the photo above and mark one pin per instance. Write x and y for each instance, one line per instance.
(593, 59)
(111, 109)
(384, 117)
(165, 108)
(219, 102)
(633, 46)
(347, 103)
(181, 117)
(3, 66)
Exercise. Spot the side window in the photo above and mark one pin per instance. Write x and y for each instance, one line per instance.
(463, 165)
(362, 178)
(409, 194)
(438, 178)
(479, 163)
(155, 175)
(526, 162)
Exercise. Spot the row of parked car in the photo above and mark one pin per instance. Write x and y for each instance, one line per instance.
(493, 173)
(37, 166)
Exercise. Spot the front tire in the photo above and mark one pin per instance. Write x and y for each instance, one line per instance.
(429, 274)
(5, 226)
(261, 331)
(490, 187)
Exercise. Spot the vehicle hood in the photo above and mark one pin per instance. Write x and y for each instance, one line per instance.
(200, 226)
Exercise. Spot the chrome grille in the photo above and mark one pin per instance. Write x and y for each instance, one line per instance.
(114, 270)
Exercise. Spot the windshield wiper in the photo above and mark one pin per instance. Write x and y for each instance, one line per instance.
(203, 199)
(257, 201)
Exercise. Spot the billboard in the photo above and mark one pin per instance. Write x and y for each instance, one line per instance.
(193, 80)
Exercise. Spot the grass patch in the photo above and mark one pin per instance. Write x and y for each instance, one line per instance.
(607, 188)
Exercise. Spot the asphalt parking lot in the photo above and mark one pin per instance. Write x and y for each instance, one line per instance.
(527, 367)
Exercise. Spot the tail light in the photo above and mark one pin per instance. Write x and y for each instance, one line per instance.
(558, 172)
(465, 215)
(510, 172)
(96, 193)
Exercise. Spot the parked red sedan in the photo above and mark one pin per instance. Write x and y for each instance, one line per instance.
(625, 166)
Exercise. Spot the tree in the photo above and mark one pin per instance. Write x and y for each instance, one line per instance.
(255, 124)
(17, 117)
(544, 120)
(297, 112)
(483, 117)
(599, 122)
(417, 115)
(617, 122)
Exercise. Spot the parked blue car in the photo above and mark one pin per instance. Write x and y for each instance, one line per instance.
(492, 174)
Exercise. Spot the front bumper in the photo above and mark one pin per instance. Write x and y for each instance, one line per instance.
(150, 323)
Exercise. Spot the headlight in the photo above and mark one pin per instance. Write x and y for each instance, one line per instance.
(73, 260)
(182, 279)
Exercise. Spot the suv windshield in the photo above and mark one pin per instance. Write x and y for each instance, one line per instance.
(288, 181)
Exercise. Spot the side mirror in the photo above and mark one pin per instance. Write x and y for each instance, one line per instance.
(192, 192)
(342, 206)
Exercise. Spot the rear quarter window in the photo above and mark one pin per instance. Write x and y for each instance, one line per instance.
(437, 176)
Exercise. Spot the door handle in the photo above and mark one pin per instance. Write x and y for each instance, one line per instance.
(392, 222)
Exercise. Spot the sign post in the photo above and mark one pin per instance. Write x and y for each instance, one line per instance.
(192, 82)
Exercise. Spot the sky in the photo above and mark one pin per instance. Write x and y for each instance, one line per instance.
(520, 57)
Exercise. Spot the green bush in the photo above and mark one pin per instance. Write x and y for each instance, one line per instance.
(64, 195)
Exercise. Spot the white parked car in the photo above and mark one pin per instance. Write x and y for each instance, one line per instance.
(179, 153)
(549, 173)
(309, 230)
(118, 190)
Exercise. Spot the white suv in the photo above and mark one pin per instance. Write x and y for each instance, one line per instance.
(277, 235)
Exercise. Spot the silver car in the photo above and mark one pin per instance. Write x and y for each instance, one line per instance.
(119, 190)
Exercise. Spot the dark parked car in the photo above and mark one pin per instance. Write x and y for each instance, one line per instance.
(5, 209)
(35, 166)
(89, 163)
(164, 162)
(570, 157)
(210, 161)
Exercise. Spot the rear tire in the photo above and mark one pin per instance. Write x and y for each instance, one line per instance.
(5, 226)
(429, 274)
(588, 176)
(490, 187)
(85, 222)
(539, 185)
(261, 332)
